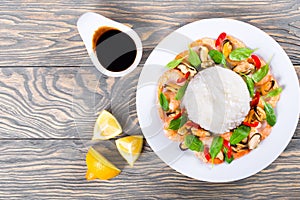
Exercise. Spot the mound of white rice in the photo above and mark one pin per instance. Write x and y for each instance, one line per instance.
(217, 99)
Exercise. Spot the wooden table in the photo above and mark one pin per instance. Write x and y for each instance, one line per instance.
(51, 93)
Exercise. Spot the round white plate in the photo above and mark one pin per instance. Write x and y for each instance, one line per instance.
(287, 109)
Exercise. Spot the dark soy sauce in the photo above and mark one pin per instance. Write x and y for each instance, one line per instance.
(115, 50)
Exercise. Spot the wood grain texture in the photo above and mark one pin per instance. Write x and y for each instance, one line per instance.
(50, 97)
(55, 169)
(57, 102)
(39, 33)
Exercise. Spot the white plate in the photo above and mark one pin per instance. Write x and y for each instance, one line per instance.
(287, 109)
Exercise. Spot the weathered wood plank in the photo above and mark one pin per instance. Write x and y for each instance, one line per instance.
(56, 102)
(55, 169)
(59, 102)
(36, 33)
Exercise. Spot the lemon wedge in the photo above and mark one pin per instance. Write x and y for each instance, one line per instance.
(130, 148)
(99, 167)
(106, 126)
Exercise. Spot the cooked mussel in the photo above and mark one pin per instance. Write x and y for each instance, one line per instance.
(244, 141)
(227, 48)
(239, 147)
(206, 61)
(203, 53)
(267, 87)
(183, 131)
(185, 67)
(235, 43)
(259, 113)
(172, 87)
(244, 68)
(182, 146)
(254, 141)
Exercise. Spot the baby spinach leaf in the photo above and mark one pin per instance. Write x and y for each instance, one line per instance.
(275, 92)
(163, 102)
(250, 85)
(193, 143)
(194, 58)
(175, 124)
(261, 73)
(271, 117)
(228, 160)
(240, 54)
(174, 63)
(217, 57)
(181, 91)
(239, 134)
(215, 147)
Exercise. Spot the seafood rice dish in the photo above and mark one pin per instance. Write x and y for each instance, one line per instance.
(218, 99)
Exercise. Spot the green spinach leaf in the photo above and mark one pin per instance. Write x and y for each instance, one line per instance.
(217, 57)
(275, 92)
(163, 102)
(239, 134)
(228, 160)
(174, 63)
(215, 147)
(271, 117)
(250, 85)
(194, 58)
(193, 143)
(181, 91)
(241, 54)
(261, 73)
(175, 124)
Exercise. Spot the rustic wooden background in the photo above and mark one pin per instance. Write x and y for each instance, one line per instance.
(50, 94)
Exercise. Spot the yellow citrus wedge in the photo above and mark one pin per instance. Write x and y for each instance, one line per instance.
(99, 167)
(106, 126)
(130, 147)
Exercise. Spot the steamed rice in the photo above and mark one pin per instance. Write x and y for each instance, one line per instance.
(217, 99)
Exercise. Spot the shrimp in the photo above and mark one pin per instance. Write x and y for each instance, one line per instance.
(172, 134)
(266, 79)
(264, 130)
(273, 100)
(207, 42)
(173, 103)
(170, 76)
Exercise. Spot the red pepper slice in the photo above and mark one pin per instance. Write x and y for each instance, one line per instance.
(256, 61)
(255, 99)
(206, 153)
(220, 39)
(177, 116)
(192, 124)
(226, 144)
(254, 124)
(186, 76)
